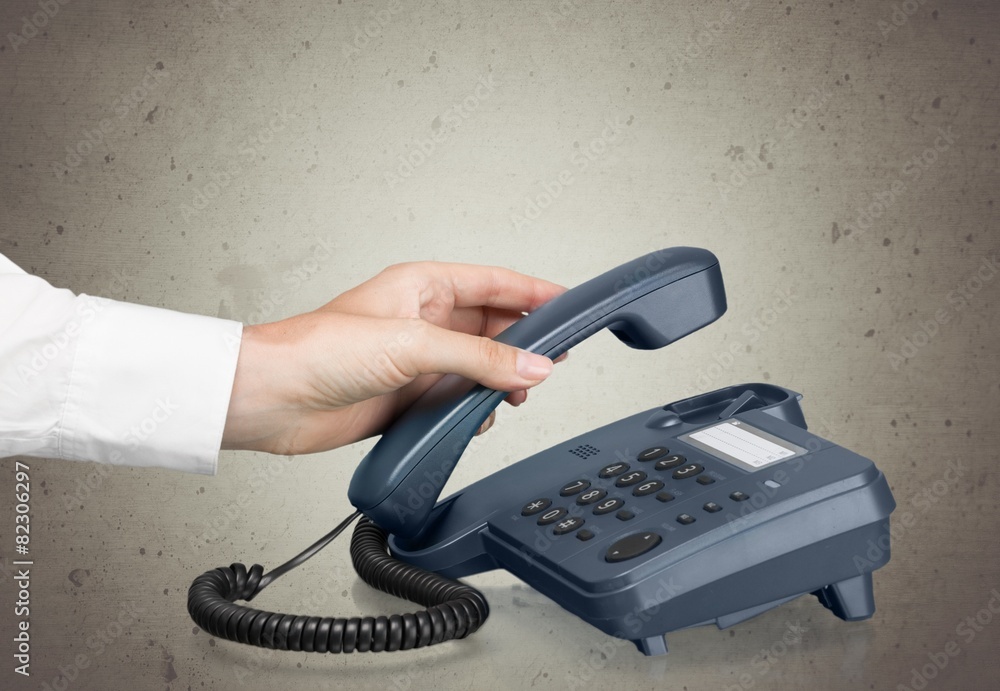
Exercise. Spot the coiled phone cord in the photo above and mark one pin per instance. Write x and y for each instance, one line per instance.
(454, 610)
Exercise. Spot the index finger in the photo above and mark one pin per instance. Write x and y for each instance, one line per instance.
(492, 286)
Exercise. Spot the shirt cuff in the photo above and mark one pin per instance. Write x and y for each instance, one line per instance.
(149, 387)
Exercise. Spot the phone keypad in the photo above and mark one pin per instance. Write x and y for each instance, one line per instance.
(599, 500)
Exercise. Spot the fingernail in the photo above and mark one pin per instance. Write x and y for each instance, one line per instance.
(533, 366)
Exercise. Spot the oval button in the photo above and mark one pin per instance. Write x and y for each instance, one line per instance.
(632, 546)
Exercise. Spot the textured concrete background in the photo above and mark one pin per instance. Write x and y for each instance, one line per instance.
(250, 160)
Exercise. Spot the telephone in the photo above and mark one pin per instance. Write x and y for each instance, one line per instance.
(712, 509)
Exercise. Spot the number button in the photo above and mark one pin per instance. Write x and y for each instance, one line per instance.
(647, 488)
(573, 488)
(590, 496)
(670, 462)
(551, 516)
(607, 506)
(630, 478)
(533, 507)
(652, 453)
(568, 525)
(613, 469)
(690, 470)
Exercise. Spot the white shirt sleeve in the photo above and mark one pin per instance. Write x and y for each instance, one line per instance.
(88, 378)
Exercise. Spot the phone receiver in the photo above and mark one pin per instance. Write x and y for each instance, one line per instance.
(647, 303)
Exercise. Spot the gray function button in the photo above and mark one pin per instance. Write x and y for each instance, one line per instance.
(590, 496)
(630, 478)
(670, 462)
(573, 488)
(608, 505)
(686, 471)
(632, 546)
(652, 453)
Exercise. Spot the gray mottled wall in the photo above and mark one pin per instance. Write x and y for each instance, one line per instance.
(251, 159)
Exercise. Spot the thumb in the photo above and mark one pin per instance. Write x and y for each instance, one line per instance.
(493, 364)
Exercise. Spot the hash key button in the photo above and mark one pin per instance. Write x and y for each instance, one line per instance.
(632, 546)
(567, 525)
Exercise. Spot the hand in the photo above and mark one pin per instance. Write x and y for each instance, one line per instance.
(343, 372)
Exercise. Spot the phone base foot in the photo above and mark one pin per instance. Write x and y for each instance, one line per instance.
(852, 599)
(654, 645)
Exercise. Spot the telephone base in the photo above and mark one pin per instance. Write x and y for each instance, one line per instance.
(709, 510)
(852, 599)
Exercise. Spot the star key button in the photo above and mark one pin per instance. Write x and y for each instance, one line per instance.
(536, 506)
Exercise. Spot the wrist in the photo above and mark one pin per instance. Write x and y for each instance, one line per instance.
(256, 405)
